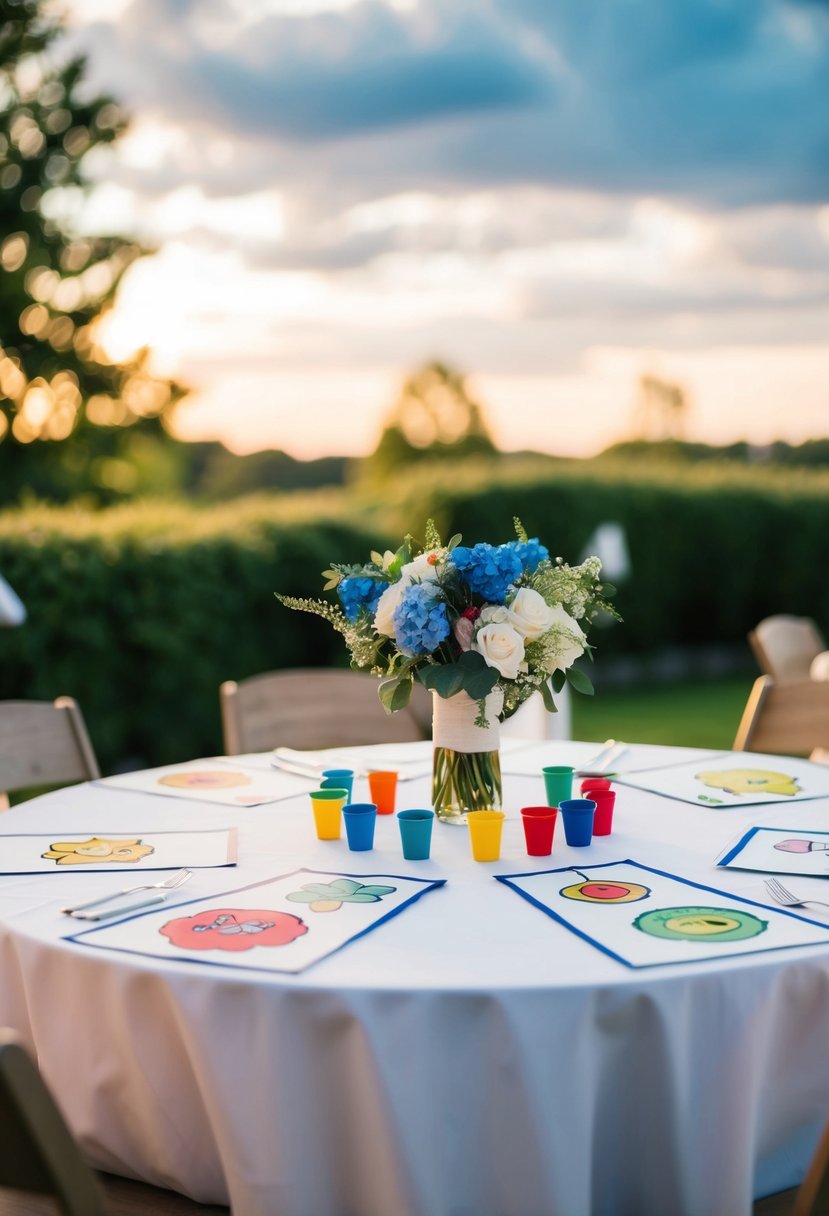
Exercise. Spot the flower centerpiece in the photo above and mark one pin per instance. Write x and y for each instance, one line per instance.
(481, 627)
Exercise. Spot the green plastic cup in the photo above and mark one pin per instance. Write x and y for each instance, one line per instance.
(558, 782)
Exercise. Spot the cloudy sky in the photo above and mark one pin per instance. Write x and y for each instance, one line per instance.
(555, 197)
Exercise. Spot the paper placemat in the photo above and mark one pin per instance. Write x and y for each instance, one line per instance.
(214, 780)
(532, 757)
(284, 924)
(80, 852)
(736, 779)
(779, 851)
(644, 917)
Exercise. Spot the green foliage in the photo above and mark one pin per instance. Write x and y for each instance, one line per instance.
(68, 415)
(141, 612)
(713, 549)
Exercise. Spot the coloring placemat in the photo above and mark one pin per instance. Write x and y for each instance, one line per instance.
(529, 759)
(646, 918)
(780, 851)
(214, 781)
(81, 852)
(283, 924)
(735, 779)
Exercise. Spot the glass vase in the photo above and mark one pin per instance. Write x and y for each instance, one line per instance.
(466, 765)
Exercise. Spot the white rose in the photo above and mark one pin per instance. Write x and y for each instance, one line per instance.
(421, 569)
(501, 647)
(530, 614)
(386, 605)
(494, 614)
(567, 642)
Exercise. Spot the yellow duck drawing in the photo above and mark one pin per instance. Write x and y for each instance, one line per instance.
(750, 781)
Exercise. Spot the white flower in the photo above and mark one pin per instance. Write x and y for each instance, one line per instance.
(501, 647)
(422, 569)
(386, 605)
(530, 614)
(494, 614)
(564, 642)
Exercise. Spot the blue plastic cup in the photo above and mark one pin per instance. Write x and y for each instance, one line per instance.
(577, 814)
(416, 833)
(338, 778)
(360, 818)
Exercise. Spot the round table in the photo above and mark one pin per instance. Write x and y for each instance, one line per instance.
(470, 1055)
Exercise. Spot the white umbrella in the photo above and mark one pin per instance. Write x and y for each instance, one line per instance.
(12, 608)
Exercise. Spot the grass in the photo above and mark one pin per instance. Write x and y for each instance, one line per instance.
(701, 713)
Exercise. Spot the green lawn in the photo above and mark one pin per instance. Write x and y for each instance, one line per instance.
(703, 713)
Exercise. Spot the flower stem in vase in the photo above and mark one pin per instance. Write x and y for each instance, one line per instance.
(466, 766)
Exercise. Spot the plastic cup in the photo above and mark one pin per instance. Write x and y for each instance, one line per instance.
(339, 778)
(383, 787)
(327, 806)
(416, 833)
(594, 783)
(603, 819)
(558, 782)
(539, 826)
(485, 829)
(360, 818)
(578, 820)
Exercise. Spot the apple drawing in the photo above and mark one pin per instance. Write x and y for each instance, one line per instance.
(595, 892)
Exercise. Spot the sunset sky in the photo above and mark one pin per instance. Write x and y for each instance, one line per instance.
(553, 197)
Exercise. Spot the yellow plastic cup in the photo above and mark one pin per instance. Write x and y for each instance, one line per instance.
(328, 812)
(485, 834)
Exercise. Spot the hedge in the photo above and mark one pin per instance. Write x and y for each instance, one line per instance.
(141, 612)
(713, 549)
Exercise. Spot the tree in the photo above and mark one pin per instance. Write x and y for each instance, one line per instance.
(69, 417)
(433, 418)
(660, 410)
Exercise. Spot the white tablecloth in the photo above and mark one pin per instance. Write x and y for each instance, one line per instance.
(469, 1056)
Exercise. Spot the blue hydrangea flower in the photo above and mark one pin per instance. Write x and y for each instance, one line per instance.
(420, 620)
(357, 593)
(490, 570)
(530, 553)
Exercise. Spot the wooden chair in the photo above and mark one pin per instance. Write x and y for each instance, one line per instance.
(37, 1151)
(41, 1167)
(789, 718)
(811, 1198)
(784, 646)
(315, 707)
(43, 743)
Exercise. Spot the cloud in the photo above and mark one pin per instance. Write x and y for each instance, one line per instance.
(720, 103)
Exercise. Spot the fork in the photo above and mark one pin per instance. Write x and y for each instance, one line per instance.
(169, 884)
(782, 896)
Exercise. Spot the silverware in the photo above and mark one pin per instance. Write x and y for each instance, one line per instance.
(782, 896)
(600, 763)
(122, 911)
(169, 884)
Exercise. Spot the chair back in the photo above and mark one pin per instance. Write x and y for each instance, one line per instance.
(37, 1150)
(44, 743)
(789, 718)
(813, 1193)
(315, 707)
(784, 646)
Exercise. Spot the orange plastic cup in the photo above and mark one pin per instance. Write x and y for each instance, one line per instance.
(383, 786)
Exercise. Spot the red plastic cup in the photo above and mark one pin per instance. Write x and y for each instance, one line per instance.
(603, 819)
(539, 827)
(594, 783)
